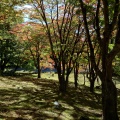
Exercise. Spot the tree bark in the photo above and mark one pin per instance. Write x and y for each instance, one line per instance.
(92, 79)
(109, 93)
(109, 101)
(66, 81)
(92, 82)
(39, 69)
(76, 75)
(2, 69)
(62, 83)
(61, 78)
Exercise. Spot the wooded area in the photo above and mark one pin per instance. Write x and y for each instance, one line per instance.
(64, 37)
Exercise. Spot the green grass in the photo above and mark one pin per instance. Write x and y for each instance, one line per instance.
(30, 98)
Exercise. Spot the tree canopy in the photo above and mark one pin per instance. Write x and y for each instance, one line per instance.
(71, 33)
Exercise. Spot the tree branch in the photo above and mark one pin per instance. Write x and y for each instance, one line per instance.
(97, 24)
(106, 15)
(116, 48)
(116, 12)
(92, 56)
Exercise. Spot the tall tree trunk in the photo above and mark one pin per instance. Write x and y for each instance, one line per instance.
(66, 80)
(76, 76)
(109, 101)
(62, 83)
(2, 69)
(109, 94)
(61, 78)
(92, 83)
(92, 79)
(39, 73)
(76, 69)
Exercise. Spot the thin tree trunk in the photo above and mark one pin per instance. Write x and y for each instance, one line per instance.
(92, 82)
(39, 73)
(39, 69)
(92, 79)
(76, 68)
(76, 77)
(2, 69)
(66, 81)
(62, 83)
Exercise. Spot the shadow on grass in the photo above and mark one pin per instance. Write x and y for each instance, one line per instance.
(37, 102)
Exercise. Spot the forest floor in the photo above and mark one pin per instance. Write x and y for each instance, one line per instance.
(29, 98)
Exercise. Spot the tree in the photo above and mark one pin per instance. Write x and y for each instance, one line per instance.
(34, 41)
(64, 32)
(78, 59)
(8, 18)
(92, 75)
(106, 26)
(7, 48)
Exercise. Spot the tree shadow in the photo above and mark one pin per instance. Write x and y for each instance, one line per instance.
(34, 100)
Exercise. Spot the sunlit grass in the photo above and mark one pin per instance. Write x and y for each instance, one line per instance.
(30, 98)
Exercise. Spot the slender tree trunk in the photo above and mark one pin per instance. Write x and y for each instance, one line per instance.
(39, 69)
(66, 81)
(39, 73)
(2, 69)
(92, 83)
(92, 79)
(76, 69)
(76, 77)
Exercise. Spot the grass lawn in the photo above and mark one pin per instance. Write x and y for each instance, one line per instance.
(29, 98)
